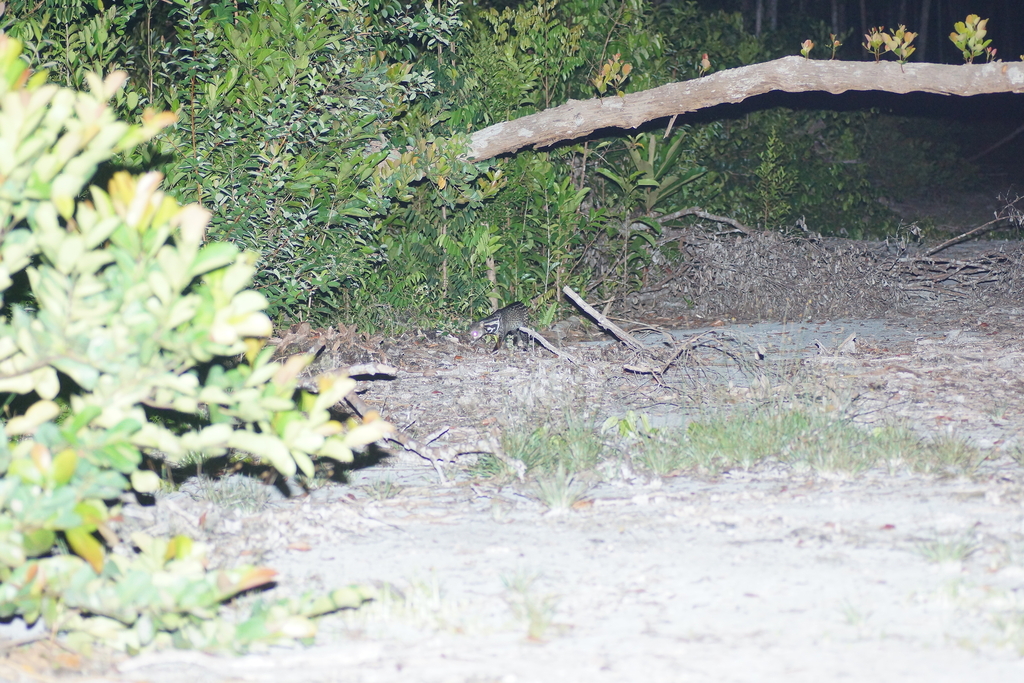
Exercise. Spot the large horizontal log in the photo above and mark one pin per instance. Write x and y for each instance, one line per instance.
(579, 118)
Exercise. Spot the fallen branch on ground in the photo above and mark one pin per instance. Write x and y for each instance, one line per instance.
(700, 213)
(981, 229)
(619, 333)
(547, 345)
(437, 455)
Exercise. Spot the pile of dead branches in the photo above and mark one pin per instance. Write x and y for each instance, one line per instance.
(981, 276)
(771, 276)
(768, 275)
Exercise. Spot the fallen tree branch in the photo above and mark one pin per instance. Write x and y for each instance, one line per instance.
(615, 330)
(576, 118)
(700, 213)
(547, 345)
(372, 370)
(438, 455)
(981, 229)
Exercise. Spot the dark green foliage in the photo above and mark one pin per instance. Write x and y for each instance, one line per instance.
(283, 131)
(327, 138)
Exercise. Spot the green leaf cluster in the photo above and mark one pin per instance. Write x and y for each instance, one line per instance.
(124, 308)
(969, 37)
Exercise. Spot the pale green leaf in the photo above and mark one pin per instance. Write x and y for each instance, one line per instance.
(367, 433)
(145, 481)
(38, 413)
(304, 462)
(211, 257)
(336, 449)
(46, 382)
(84, 375)
(333, 389)
(264, 446)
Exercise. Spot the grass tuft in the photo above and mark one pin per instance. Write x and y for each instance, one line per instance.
(383, 489)
(526, 604)
(560, 490)
(236, 492)
(948, 550)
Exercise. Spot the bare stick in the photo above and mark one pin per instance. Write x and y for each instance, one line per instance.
(997, 145)
(701, 213)
(547, 345)
(640, 369)
(960, 238)
(437, 455)
(671, 122)
(370, 369)
(15, 644)
(618, 332)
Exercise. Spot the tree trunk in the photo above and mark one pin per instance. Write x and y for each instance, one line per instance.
(577, 119)
(863, 17)
(926, 10)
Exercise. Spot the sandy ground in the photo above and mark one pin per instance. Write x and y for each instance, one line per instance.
(766, 575)
(749, 578)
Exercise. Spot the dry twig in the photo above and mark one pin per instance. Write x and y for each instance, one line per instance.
(619, 333)
(547, 345)
(980, 230)
(700, 213)
(437, 455)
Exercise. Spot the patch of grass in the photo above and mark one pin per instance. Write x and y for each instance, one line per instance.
(662, 455)
(901, 448)
(949, 454)
(572, 445)
(195, 460)
(528, 444)
(853, 615)
(948, 550)
(817, 440)
(804, 437)
(526, 604)
(489, 467)
(236, 492)
(560, 490)
(656, 449)
(578, 444)
(997, 409)
(421, 604)
(820, 441)
(383, 489)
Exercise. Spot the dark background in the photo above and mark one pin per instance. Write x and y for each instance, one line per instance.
(979, 122)
(931, 19)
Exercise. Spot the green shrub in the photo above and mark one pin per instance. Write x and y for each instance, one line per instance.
(288, 124)
(328, 138)
(115, 307)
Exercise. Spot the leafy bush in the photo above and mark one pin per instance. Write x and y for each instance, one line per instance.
(115, 308)
(288, 123)
(328, 137)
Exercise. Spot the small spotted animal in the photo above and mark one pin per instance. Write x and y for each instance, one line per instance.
(503, 322)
